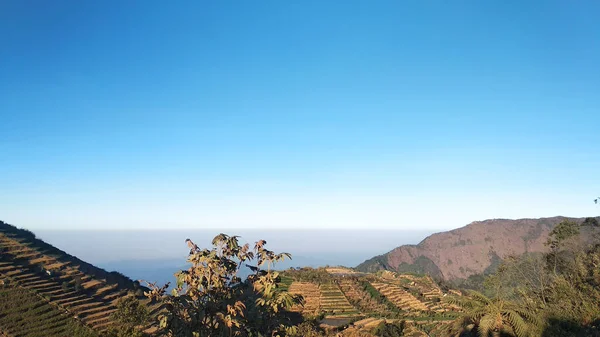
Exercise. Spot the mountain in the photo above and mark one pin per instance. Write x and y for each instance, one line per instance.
(473, 249)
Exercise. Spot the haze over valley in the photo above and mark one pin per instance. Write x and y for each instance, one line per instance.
(157, 255)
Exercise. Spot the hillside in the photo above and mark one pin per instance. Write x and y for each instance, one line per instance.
(473, 249)
(45, 292)
(362, 301)
(63, 285)
(28, 314)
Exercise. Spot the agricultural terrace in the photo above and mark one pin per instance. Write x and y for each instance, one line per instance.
(333, 301)
(34, 265)
(26, 314)
(360, 298)
(400, 297)
(311, 294)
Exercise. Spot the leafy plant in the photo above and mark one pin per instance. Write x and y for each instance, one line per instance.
(129, 317)
(487, 316)
(210, 299)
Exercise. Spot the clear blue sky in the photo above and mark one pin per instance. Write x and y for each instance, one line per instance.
(297, 114)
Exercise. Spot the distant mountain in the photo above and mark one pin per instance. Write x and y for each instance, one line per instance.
(473, 249)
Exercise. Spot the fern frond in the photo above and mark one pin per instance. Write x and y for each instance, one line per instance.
(460, 325)
(529, 316)
(477, 314)
(480, 298)
(486, 326)
(517, 323)
(463, 302)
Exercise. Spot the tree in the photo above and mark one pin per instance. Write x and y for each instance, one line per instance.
(395, 329)
(78, 284)
(129, 316)
(65, 286)
(591, 222)
(309, 328)
(527, 278)
(210, 299)
(557, 240)
(130, 311)
(573, 308)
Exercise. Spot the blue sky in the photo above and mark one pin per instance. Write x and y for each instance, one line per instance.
(311, 114)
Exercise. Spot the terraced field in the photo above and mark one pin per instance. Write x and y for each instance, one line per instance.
(340, 271)
(26, 314)
(61, 281)
(334, 302)
(368, 323)
(338, 292)
(360, 298)
(400, 297)
(285, 283)
(311, 294)
(433, 301)
(430, 293)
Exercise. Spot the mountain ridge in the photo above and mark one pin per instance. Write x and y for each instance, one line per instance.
(472, 249)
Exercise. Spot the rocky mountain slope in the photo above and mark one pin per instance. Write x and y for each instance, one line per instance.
(469, 250)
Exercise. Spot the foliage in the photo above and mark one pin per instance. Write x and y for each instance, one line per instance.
(78, 284)
(574, 296)
(307, 274)
(557, 242)
(130, 312)
(129, 317)
(210, 299)
(422, 265)
(551, 294)
(493, 315)
(308, 328)
(395, 329)
(591, 222)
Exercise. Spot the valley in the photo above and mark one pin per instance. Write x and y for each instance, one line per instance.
(45, 291)
(59, 294)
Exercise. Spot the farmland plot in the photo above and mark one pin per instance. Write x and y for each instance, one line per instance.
(333, 301)
(400, 297)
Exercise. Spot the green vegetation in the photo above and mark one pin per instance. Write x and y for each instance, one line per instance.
(385, 329)
(374, 264)
(421, 266)
(541, 295)
(307, 274)
(285, 282)
(26, 314)
(487, 316)
(130, 318)
(375, 294)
